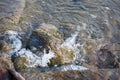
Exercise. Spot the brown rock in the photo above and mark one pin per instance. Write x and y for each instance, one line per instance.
(47, 37)
(106, 59)
(7, 71)
(3, 46)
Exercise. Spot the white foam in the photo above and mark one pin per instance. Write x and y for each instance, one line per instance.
(70, 42)
(93, 16)
(10, 32)
(13, 40)
(73, 67)
(107, 8)
(46, 58)
(34, 60)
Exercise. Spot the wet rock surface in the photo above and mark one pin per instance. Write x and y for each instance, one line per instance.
(47, 40)
(43, 37)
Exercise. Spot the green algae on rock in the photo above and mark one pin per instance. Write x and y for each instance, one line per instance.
(19, 63)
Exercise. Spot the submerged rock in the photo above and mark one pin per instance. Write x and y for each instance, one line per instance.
(100, 74)
(43, 36)
(38, 42)
(5, 62)
(10, 14)
(63, 75)
(19, 63)
(47, 38)
(7, 71)
(4, 46)
(106, 59)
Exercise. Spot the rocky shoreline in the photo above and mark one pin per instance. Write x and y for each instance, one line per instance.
(59, 40)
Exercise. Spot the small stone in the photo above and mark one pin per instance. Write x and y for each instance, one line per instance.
(4, 46)
(19, 63)
(106, 59)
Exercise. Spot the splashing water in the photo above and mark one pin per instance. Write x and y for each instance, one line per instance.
(70, 42)
(47, 57)
(34, 60)
(13, 40)
(72, 67)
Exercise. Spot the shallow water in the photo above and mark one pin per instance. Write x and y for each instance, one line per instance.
(87, 26)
